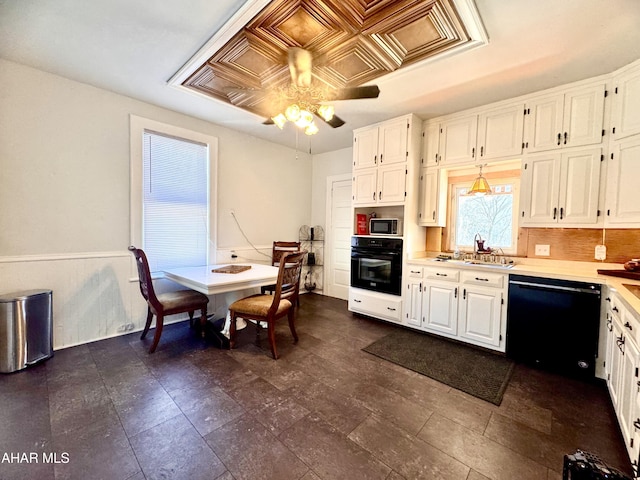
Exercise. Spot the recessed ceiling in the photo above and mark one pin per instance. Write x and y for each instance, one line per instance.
(352, 41)
(126, 47)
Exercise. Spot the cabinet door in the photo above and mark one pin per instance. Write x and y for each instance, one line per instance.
(392, 142)
(457, 143)
(365, 148)
(430, 141)
(628, 392)
(413, 303)
(440, 308)
(580, 187)
(500, 132)
(428, 211)
(544, 123)
(392, 181)
(480, 315)
(615, 377)
(625, 116)
(623, 172)
(540, 188)
(583, 116)
(365, 186)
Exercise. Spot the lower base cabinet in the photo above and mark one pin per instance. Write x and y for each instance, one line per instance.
(465, 305)
(378, 305)
(622, 366)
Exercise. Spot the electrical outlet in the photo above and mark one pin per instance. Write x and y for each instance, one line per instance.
(542, 250)
(601, 252)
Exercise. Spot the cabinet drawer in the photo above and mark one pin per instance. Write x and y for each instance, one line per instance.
(414, 272)
(445, 274)
(378, 305)
(486, 279)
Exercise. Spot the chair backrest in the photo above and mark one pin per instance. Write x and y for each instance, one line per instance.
(288, 283)
(280, 248)
(144, 276)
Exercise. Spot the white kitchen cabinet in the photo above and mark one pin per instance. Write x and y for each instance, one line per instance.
(379, 186)
(571, 119)
(625, 115)
(480, 315)
(380, 165)
(381, 145)
(561, 188)
(378, 305)
(430, 140)
(432, 199)
(622, 368)
(466, 305)
(457, 142)
(413, 297)
(500, 132)
(365, 148)
(623, 175)
(440, 307)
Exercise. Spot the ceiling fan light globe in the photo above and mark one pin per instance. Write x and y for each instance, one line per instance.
(292, 113)
(306, 119)
(279, 120)
(326, 112)
(311, 129)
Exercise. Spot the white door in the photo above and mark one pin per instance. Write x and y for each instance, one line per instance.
(480, 315)
(338, 240)
(440, 308)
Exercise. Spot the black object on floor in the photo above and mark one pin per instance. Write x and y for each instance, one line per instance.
(477, 372)
(213, 333)
(586, 466)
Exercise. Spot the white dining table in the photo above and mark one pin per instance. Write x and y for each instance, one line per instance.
(204, 280)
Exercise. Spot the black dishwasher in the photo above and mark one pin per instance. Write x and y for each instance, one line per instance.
(553, 324)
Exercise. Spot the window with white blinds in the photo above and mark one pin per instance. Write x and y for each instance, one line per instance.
(175, 201)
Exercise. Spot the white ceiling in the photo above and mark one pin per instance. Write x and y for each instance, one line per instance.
(133, 47)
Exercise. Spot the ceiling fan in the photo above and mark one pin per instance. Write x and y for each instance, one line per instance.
(300, 101)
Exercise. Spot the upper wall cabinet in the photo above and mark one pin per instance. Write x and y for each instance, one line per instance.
(561, 188)
(380, 156)
(380, 145)
(623, 172)
(469, 139)
(572, 119)
(457, 142)
(500, 132)
(430, 138)
(625, 116)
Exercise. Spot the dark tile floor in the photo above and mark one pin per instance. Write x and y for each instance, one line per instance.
(324, 410)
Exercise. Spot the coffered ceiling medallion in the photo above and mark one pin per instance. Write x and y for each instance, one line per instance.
(352, 42)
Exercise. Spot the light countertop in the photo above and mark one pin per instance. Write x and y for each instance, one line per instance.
(568, 270)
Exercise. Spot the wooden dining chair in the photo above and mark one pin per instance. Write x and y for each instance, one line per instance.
(269, 308)
(168, 303)
(280, 248)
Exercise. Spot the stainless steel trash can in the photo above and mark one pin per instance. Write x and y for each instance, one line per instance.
(26, 325)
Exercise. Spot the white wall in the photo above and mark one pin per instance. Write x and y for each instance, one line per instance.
(64, 196)
(326, 165)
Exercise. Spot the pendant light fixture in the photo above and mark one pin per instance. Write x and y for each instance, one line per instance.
(480, 185)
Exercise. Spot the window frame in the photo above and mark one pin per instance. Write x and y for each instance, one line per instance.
(495, 179)
(138, 125)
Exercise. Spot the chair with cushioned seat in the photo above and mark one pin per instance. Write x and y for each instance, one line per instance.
(269, 308)
(168, 303)
(279, 248)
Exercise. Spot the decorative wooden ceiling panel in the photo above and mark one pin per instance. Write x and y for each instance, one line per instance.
(353, 42)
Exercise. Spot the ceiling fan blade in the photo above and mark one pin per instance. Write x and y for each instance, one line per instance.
(300, 62)
(355, 93)
(335, 122)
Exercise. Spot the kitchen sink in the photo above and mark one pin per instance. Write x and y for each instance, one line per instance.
(477, 263)
(489, 264)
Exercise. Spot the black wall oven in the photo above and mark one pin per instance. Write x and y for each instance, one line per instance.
(376, 264)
